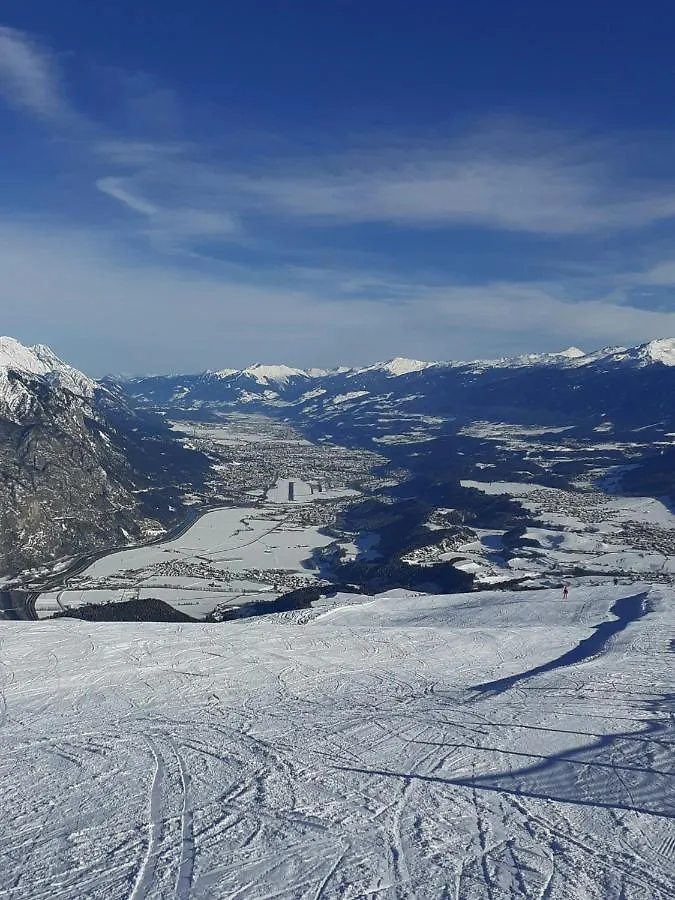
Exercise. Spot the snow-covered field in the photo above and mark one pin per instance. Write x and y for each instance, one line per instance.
(228, 557)
(257, 547)
(401, 746)
(605, 535)
(241, 429)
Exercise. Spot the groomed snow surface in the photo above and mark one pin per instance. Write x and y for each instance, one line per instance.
(363, 749)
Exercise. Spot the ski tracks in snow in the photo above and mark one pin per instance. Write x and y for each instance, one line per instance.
(146, 873)
(333, 761)
(187, 840)
(166, 869)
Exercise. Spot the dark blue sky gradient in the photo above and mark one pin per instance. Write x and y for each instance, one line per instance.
(500, 176)
(380, 64)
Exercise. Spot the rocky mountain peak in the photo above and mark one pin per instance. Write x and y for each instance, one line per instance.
(40, 362)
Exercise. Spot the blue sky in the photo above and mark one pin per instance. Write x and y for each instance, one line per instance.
(189, 186)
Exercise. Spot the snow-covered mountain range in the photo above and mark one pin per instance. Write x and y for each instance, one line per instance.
(657, 351)
(78, 465)
(550, 418)
(27, 371)
(78, 456)
(41, 360)
(625, 386)
(288, 383)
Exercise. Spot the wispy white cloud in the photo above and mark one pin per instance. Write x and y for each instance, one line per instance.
(29, 78)
(115, 188)
(512, 184)
(162, 318)
(170, 223)
(508, 176)
(546, 195)
(661, 274)
(183, 194)
(130, 152)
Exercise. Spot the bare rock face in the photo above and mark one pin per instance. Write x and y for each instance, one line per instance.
(80, 469)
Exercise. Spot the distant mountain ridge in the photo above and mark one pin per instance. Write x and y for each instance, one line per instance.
(610, 409)
(657, 351)
(441, 388)
(570, 420)
(84, 464)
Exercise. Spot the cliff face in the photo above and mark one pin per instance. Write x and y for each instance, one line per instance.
(79, 467)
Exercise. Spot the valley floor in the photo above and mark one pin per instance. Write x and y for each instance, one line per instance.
(281, 491)
(486, 745)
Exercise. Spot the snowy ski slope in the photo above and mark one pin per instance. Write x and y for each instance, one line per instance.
(486, 745)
